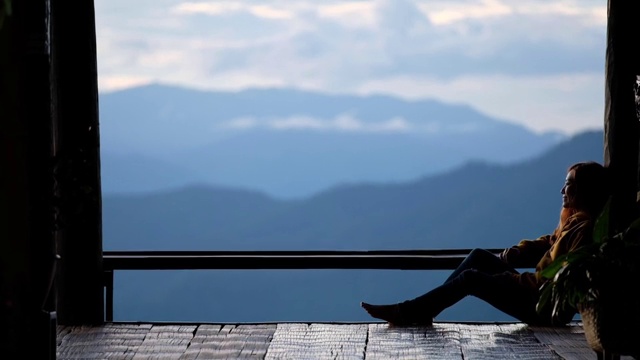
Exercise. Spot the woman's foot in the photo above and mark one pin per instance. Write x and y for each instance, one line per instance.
(388, 313)
(391, 314)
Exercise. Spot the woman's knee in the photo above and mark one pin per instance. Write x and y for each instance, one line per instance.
(479, 253)
(470, 276)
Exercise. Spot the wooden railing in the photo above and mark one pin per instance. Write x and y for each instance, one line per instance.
(276, 260)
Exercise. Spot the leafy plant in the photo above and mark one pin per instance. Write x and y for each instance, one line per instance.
(5, 10)
(610, 261)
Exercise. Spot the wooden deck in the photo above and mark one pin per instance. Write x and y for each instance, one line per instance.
(322, 341)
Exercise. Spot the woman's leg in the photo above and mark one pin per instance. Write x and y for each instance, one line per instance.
(499, 290)
(418, 311)
(483, 261)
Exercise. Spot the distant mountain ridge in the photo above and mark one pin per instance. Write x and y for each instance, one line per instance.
(478, 192)
(475, 205)
(292, 143)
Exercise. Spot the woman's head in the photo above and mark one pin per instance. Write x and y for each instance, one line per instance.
(586, 188)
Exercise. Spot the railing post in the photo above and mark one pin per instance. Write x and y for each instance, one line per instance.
(108, 283)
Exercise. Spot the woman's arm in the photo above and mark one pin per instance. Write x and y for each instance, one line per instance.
(577, 235)
(527, 253)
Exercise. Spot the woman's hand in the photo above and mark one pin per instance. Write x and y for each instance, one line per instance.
(510, 255)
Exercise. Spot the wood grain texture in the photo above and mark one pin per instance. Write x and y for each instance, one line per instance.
(323, 341)
(502, 341)
(568, 342)
(101, 342)
(318, 341)
(437, 342)
(165, 342)
(230, 342)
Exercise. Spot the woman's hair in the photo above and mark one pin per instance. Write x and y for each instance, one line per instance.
(592, 187)
(592, 190)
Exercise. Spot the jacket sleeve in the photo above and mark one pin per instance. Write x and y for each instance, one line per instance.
(531, 251)
(578, 233)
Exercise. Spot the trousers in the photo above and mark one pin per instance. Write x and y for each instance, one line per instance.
(485, 276)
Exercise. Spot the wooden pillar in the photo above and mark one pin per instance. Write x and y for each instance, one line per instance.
(27, 327)
(77, 152)
(637, 93)
(620, 121)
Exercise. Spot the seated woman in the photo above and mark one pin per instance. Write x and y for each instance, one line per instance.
(494, 278)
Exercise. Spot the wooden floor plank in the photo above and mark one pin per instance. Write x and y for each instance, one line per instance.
(323, 341)
(104, 342)
(441, 341)
(230, 342)
(318, 341)
(165, 342)
(569, 342)
(502, 341)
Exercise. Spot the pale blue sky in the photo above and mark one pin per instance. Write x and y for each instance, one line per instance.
(539, 63)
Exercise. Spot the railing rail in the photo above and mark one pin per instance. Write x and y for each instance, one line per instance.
(445, 259)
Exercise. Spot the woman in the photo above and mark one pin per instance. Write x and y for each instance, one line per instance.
(494, 278)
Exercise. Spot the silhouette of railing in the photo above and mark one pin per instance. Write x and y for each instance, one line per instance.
(446, 259)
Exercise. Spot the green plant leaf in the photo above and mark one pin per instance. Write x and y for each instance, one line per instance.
(563, 261)
(583, 275)
(633, 228)
(5, 10)
(550, 271)
(545, 297)
(601, 228)
(635, 225)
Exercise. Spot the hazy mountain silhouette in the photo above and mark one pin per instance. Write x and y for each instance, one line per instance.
(292, 143)
(476, 205)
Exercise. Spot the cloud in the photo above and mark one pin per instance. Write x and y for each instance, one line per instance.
(114, 83)
(389, 46)
(443, 39)
(207, 8)
(349, 14)
(222, 7)
(444, 12)
(448, 14)
(241, 123)
(346, 123)
(341, 123)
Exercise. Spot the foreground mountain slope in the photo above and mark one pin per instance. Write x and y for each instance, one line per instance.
(493, 202)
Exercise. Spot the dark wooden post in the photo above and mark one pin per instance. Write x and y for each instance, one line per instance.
(637, 87)
(621, 124)
(27, 324)
(77, 152)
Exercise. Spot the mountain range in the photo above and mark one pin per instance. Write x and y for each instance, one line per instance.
(477, 204)
(292, 144)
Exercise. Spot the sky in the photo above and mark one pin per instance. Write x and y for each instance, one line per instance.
(539, 63)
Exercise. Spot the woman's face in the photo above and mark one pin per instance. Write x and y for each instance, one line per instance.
(569, 190)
